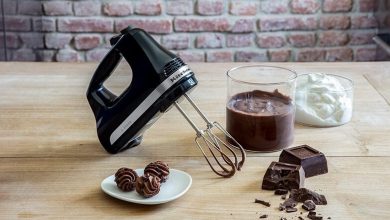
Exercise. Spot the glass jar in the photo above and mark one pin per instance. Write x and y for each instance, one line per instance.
(260, 107)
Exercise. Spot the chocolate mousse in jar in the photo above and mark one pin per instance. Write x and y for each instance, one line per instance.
(260, 107)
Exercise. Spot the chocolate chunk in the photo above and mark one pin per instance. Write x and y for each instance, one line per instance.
(300, 218)
(312, 161)
(281, 192)
(309, 205)
(289, 203)
(303, 194)
(291, 209)
(314, 216)
(263, 216)
(282, 218)
(283, 197)
(283, 176)
(262, 202)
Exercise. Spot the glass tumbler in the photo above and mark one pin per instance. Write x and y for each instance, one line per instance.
(260, 107)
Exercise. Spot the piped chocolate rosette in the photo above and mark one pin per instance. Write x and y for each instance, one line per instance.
(158, 169)
(148, 185)
(125, 179)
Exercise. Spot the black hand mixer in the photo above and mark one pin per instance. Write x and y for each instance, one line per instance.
(160, 78)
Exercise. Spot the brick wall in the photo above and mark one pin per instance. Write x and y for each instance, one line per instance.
(197, 30)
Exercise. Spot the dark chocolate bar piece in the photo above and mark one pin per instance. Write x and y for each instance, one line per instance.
(283, 176)
(312, 161)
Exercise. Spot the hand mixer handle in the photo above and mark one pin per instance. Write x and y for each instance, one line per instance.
(99, 97)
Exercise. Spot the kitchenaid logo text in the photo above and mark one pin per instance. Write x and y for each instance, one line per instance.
(177, 76)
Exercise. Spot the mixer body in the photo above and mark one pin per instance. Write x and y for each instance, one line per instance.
(159, 79)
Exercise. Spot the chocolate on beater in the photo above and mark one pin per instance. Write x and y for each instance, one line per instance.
(125, 179)
(158, 169)
(148, 186)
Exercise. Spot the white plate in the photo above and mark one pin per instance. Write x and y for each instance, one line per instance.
(176, 185)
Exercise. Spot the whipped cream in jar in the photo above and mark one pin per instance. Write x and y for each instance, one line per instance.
(323, 100)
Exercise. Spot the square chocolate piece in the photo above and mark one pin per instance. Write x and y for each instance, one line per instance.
(313, 162)
(283, 176)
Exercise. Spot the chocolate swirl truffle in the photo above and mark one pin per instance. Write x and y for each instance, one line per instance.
(125, 179)
(148, 186)
(159, 169)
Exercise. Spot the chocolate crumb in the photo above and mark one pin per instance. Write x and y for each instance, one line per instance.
(283, 197)
(300, 218)
(263, 216)
(303, 194)
(309, 205)
(282, 218)
(329, 218)
(289, 203)
(313, 216)
(262, 202)
(291, 209)
(281, 192)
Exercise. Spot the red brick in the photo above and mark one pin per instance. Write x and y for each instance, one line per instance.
(243, 8)
(23, 55)
(44, 24)
(360, 38)
(250, 56)
(201, 24)
(32, 40)
(57, 40)
(151, 25)
(85, 25)
(310, 55)
(17, 23)
(239, 40)
(11, 39)
(337, 5)
(332, 38)
(368, 5)
(365, 54)
(45, 55)
(67, 55)
(122, 8)
(180, 7)
(58, 8)
(270, 41)
(387, 21)
(210, 40)
(382, 55)
(288, 23)
(304, 6)
(191, 56)
(335, 22)
(9, 7)
(210, 7)
(279, 55)
(339, 54)
(87, 41)
(364, 21)
(243, 25)
(86, 8)
(274, 6)
(219, 56)
(302, 40)
(176, 41)
(148, 7)
(28, 7)
(96, 55)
